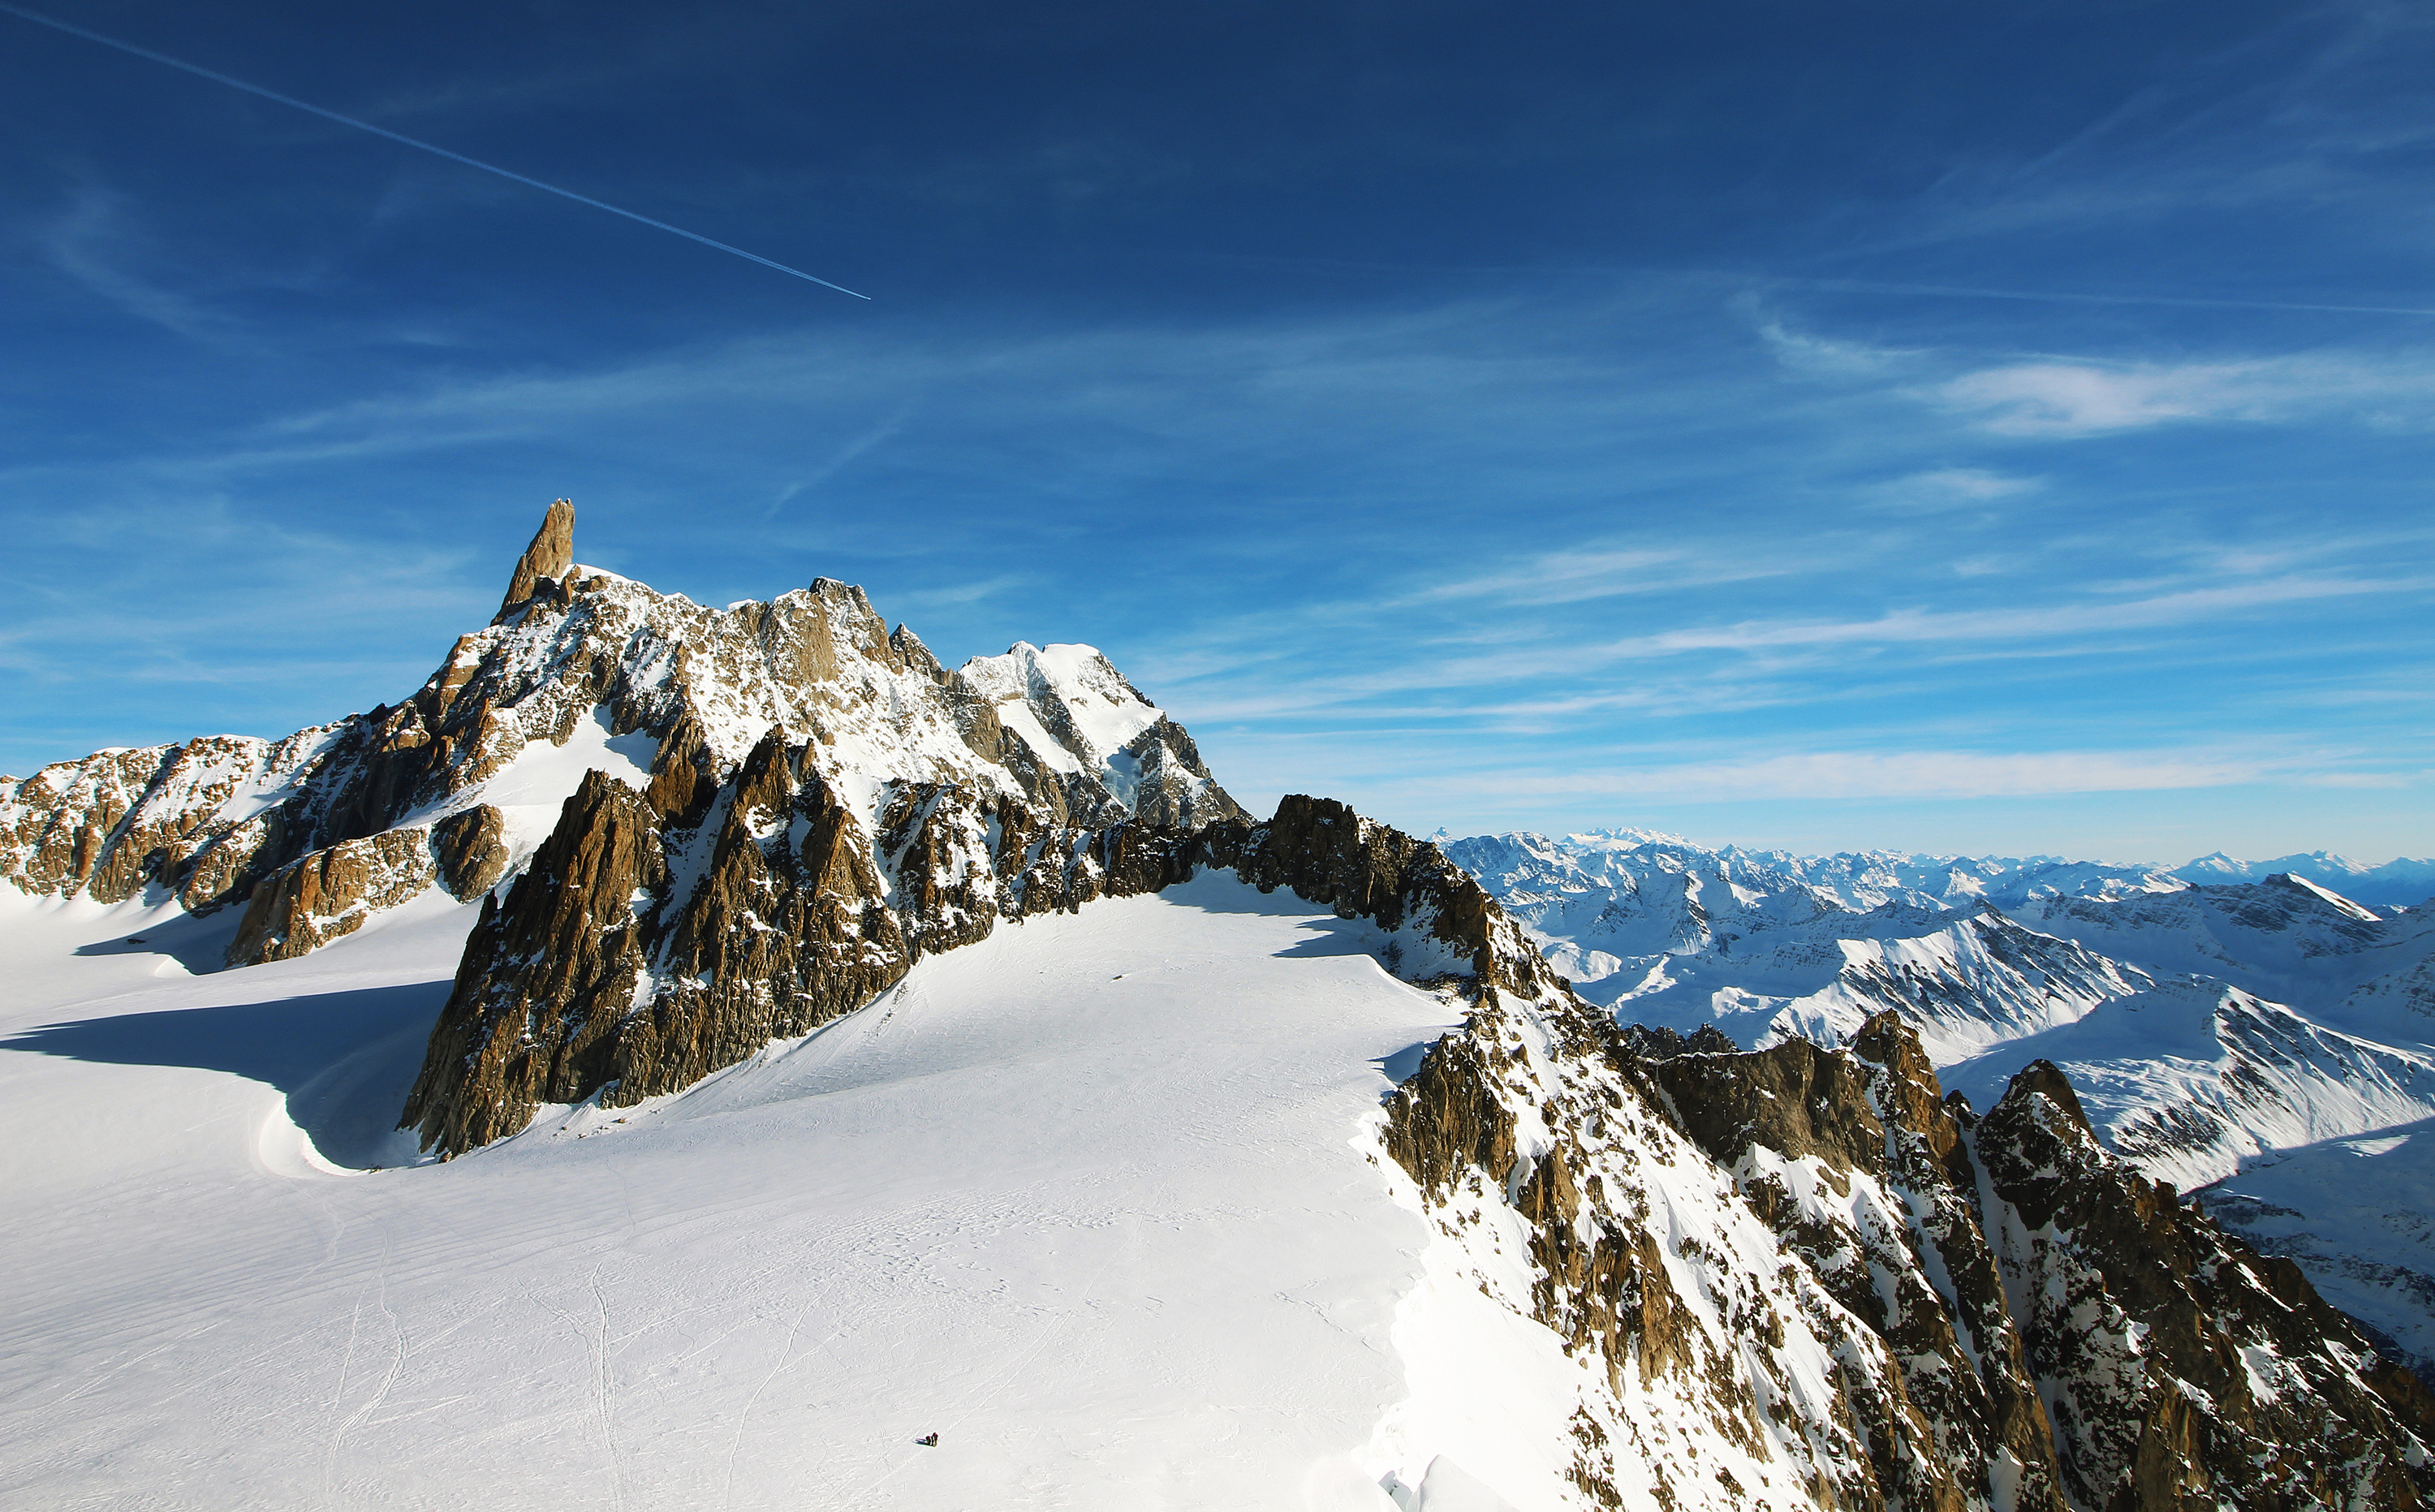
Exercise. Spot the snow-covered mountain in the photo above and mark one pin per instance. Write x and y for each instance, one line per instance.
(2201, 1022)
(2359, 1216)
(830, 1080)
(2203, 1026)
(2399, 881)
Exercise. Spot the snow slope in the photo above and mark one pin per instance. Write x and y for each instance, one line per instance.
(2359, 1216)
(2192, 1077)
(1085, 1199)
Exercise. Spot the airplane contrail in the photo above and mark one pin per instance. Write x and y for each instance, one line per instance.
(291, 100)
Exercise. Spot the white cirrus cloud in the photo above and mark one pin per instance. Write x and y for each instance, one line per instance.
(1915, 774)
(2062, 397)
(1828, 356)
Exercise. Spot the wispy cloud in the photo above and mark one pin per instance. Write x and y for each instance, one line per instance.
(1949, 487)
(1824, 357)
(1578, 576)
(952, 595)
(2083, 399)
(1946, 774)
(95, 241)
(2024, 623)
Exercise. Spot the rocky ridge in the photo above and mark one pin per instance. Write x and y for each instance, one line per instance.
(606, 974)
(582, 659)
(1880, 1300)
(623, 738)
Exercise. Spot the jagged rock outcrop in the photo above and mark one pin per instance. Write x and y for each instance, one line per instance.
(550, 975)
(1723, 1372)
(583, 661)
(546, 562)
(337, 890)
(331, 893)
(793, 916)
(2008, 1315)
(1861, 1168)
(472, 850)
(202, 820)
(2183, 1368)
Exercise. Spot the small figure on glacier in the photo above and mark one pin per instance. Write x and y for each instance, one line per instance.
(928, 1440)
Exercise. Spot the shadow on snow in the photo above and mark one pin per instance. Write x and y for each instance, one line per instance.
(344, 1060)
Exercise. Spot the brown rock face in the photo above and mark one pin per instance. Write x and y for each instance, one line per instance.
(783, 935)
(550, 556)
(1331, 855)
(119, 822)
(2127, 1353)
(331, 893)
(1534, 1111)
(1969, 1275)
(548, 977)
(208, 820)
(1449, 1120)
(796, 916)
(472, 850)
(1921, 1277)
(2185, 1370)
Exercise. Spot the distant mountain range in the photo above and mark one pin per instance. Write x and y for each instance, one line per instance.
(2209, 1017)
(2400, 881)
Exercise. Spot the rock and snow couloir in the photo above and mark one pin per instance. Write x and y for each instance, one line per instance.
(858, 1050)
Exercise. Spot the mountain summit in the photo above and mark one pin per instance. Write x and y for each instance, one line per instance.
(676, 771)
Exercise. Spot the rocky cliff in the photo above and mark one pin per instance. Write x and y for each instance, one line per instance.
(653, 942)
(743, 820)
(1885, 1302)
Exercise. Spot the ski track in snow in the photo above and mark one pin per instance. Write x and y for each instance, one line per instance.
(1088, 1200)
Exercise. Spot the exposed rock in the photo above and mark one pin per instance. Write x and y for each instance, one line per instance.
(684, 773)
(59, 821)
(1856, 1162)
(225, 863)
(472, 850)
(547, 977)
(1695, 1325)
(2022, 1320)
(794, 916)
(2183, 1368)
(1657, 1042)
(786, 931)
(1331, 855)
(119, 821)
(547, 559)
(332, 893)
(205, 822)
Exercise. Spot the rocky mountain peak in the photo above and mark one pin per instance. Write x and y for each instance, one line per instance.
(2042, 1086)
(549, 559)
(583, 672)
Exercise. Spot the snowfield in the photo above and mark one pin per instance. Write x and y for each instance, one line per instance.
(1093, 1200)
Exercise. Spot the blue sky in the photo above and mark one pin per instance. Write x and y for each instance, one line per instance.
(1870, 424)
